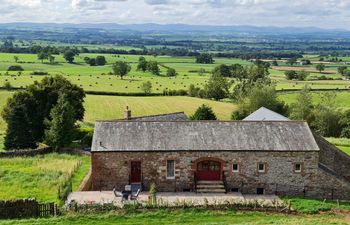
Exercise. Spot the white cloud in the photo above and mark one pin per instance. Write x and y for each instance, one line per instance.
(323, 13)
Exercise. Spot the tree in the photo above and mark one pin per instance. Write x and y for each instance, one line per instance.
(146, 87)
(342, 70)
(204, 112)
(223, 70)
(121, 68)
(52, 59)
(61, 126)
(274, 63)
(42, 56)
(171, 72)
(327, 117)
(15, 68)
(205, 58)
(320, 67)
(69, 56)
(37, 101)
(293, 75)
(302, 109)
(152, 66)
(18, 115)
(292, 61)
(302, 75)
(100, 60)
(16, 58)
(142, 65)
(262, 95)
(91, 62)
(290, 74)
(217, 87)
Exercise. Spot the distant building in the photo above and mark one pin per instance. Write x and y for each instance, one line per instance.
(264, 114)
(265, 154)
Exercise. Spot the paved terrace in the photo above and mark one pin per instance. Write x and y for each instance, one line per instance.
(173, 198)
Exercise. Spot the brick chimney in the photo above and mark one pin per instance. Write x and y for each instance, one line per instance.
(127, 113)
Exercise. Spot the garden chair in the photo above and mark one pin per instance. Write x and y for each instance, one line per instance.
(136, 195)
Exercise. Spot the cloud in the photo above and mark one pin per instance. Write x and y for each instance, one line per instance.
(324, 13)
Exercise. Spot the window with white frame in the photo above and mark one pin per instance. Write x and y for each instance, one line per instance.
(170, 169)
(297, 167)
(261, 167)
(235, 167)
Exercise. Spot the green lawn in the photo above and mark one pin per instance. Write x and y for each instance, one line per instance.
(188, 217)
(345, 149)
(39, 177)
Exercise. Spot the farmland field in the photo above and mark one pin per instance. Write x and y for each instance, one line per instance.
(39, 177)
(189, 216)
(97, 79)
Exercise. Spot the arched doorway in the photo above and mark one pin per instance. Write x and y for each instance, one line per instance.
(208, 170)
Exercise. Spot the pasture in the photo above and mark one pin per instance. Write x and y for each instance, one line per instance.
(40, 176)
(96, 78)
(341, 100)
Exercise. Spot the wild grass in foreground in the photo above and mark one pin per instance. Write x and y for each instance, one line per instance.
(305, 205)
(40, 176)
(186, 216)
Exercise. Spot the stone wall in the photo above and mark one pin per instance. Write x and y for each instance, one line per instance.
(112, 169)
(333, 158)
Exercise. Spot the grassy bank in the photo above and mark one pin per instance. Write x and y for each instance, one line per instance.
(188, 217)
(39, 177)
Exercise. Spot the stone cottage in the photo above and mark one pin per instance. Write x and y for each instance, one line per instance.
(253, 157)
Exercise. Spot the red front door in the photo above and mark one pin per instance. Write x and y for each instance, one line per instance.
(136, 172)
(208, 170)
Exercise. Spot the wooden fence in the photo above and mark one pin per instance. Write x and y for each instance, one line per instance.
(26, 208)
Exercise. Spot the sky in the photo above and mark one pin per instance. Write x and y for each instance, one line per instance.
(300, 13)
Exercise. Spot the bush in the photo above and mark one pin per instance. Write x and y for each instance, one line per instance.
(15, 68)
(7, 85)
(84, 135)
(179, 92)
(39, 73)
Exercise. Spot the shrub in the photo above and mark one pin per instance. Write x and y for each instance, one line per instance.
(15, 68)
(39, 73)
(7, 85)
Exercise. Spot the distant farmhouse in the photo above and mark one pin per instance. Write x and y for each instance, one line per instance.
(264, 154)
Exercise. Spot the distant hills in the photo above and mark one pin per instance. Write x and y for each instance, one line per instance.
(152, 27)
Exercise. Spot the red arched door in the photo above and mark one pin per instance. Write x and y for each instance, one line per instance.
(208, 170)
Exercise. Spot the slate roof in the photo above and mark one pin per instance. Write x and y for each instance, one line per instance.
(178, 116)
(202, 136)
(264, 114)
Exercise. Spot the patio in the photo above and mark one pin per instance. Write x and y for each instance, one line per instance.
(172, 198)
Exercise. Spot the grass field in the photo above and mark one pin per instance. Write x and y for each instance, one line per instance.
(342, 99)
(112, 107)
(94, 78)
(195, 216)
(39, 177)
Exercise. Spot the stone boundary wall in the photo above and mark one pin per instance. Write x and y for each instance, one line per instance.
(333, 158)
(26, 153)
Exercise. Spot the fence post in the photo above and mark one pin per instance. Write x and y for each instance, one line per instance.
(304, 191)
